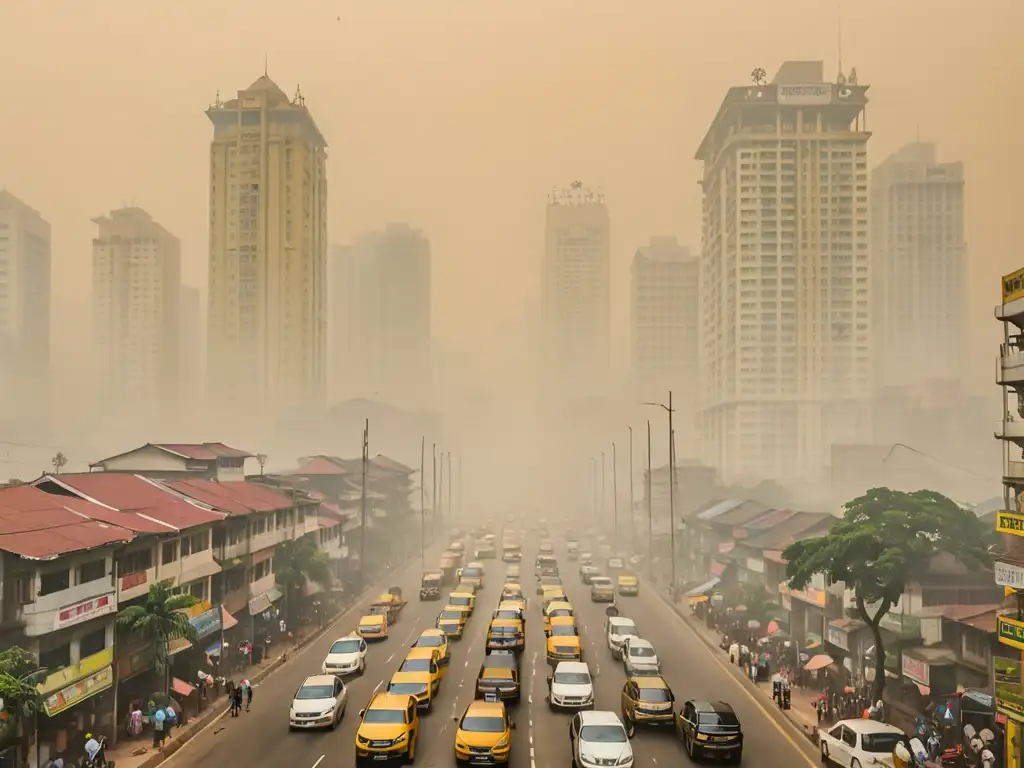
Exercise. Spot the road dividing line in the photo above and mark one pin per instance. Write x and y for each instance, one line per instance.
(376, 688)
(319, 760)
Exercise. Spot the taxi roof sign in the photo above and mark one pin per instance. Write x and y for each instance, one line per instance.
(491, 697)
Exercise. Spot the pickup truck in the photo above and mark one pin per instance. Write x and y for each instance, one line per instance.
(389, 604)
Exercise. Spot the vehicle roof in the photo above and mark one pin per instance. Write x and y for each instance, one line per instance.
(512, 585)
(385, 700)
(349, 636)
(318, 680)
(573, 639)
(372, 618)
(562, 621)
(510, 605)
(500, 660)
(433, 574)
(649, 681)
(421, 653)
(639, 642)
(600, 580)
(506, 622)
(572, 666)
(433, 632)
(481, 708)
(476, 564)
(621, 621)
(599, 717)
(466, 592)
(558, 605)
(702, 705)
(868, 726)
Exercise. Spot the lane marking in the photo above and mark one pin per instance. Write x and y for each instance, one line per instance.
(390, 658)
(376, 688)
(319, 760)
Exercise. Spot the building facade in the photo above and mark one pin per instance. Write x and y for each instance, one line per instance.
(191, 341)
(575, 289)
(785, 276)
(267, 320)
(136, 295)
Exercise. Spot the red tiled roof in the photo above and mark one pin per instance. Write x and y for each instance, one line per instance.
(236, 497)
(40, 526)
(203, 451)
(320, 465)
(383, 462)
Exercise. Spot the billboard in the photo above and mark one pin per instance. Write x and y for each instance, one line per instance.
(1013, 286)
(800, 95)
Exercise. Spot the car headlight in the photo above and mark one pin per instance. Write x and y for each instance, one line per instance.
(327, 712)
(502, 742)
(702, 737)
(291, 713)
(627, 760)
(362, 740)
(402, 738)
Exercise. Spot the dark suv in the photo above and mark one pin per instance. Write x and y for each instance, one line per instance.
(710, 729)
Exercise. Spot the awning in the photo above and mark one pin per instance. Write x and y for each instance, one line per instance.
(227, 620)
(717, 569)
(706, 586)
(261, 603)
(820, 661)
(215, 649)
(177, 645)
(207, 622)
(201, 571)
(181, 688)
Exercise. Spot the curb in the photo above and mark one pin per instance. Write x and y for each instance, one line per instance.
(768, 705)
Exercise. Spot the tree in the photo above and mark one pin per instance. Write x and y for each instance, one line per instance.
(160, 619)
(18, 691)
(59, 461)
(884, 542)
(296, 562)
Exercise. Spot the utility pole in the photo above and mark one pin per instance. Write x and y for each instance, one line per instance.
(672, 489)
(423, 493)
(440, 493)
(433, 489)
(632, 525)
(462, 511)
(603, 484)
(650, 507)
(615, 494)
(450, 506)
(593, 487)
(362, 508)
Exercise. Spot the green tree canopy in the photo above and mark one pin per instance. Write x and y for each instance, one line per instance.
(160, 619)
(885, 541)
(298, 561)
(17, 683)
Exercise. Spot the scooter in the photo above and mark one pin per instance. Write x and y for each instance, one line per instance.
(100, 761)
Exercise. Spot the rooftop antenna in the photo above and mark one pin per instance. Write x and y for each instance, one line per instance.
(266, 64)
(839, 38)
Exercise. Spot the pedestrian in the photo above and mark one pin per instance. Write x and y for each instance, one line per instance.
(159, 718)
(236, 700)
(171, 721)
(247, 688)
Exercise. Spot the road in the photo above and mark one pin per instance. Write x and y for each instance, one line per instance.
(261, 737)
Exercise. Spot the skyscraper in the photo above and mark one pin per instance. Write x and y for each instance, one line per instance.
(785, 275)
(24, 310)
(664, 316)
(191, 340)
(381, 317)
(136, 294)
(919, 268)
(267, 318)
(575, 291)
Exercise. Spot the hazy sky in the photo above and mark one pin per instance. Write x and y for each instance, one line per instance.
(459, 116)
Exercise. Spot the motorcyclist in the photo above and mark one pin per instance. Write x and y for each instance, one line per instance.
(94, 751)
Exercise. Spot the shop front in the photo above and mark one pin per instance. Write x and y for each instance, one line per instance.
(1006, 675)
(264, 621)
(807, 616)
(77, 699)
(206, 620)
(847, 639)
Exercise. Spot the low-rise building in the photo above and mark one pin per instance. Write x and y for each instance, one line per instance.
(214, 461)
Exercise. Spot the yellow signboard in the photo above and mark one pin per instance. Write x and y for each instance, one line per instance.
(69, 674)
(1013, 286)
(1010, 632)
(1009, 522)
(78, 692)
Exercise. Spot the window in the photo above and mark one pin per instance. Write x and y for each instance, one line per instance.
(200, 542)
(94, 570)
(849, 737)
(169, 552)
(23, 590)
(54, 581)
(56, 658)
(136, 562)
(260, 570)
(195, 588)
(92, 642)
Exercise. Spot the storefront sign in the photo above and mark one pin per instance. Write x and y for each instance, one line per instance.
(1009, 575)
(915, 669)
(837, 637)
(819, 93)
(83, 611)
(206, 623)
(87, 666)
(807, 595)
(1010, 632)
(1010, 522)
(79, 692)
(1007, 678)
(132, 661)
(1013, 286)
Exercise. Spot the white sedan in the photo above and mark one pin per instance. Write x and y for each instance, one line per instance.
(319, 703)
(347, 656)
(859, 743)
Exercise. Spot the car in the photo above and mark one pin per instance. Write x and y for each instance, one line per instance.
(499, 674)
(513, 572)
(588, 571)
(452, 621)
(346, 656)
(571, 687)
(546, 547)
(544, 561)
(436, 638)
(473, 574)
(505, 634)
(484, 734)
(639, 657)
(389, 728)
(457, 546)
(318, 703)
(464, 599)
(858, 743)
(425, 662)
(555, 609)
(413, 684)
(601, 590)
(510, 609)
(373, 626)
(628, 584)
(616, 630)
(430, 585)
(511, 591)
(586, 556)
(563, 642)
(549, 583)
(711, 728)
(486, 551)
(647, 700)
(599, 738)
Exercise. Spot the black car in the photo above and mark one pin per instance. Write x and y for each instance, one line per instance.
(710, 729)
(430, 586)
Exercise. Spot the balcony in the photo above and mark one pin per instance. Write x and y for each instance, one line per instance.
(1010, 365)
(74, 605)
(1011, 430)
(1014, 473)
(136, 584)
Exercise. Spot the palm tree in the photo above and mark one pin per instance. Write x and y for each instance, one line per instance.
(297, 562)
(160, 619)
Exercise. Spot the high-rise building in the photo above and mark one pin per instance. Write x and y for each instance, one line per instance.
(136, 295)
(785, 275)
(191, 340)
(919, 268)
(380, 310)
(664, 316)
(267, 318)
(576, 291)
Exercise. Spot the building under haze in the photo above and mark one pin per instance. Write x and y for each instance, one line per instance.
(136, 295)
(24, 312)
(664, 318)
(191, 341)
(785, 275)
(380, 318)
(576, 292)
(267, 319)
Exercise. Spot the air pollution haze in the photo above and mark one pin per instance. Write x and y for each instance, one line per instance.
(506, 231)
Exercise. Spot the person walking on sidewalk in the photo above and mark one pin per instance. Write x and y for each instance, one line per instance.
(247, 688)
(236, 701)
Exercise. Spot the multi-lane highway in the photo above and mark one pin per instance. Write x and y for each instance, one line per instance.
(261, 737)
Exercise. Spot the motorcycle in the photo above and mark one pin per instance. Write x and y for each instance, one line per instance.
(100, 761)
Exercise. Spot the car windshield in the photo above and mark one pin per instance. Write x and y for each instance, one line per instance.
(472, 572)
(384, 716)
(624, 629)
(560, 612)
(563, 630)
(454, 615)
(503, 630)
(415, 665)
(459, 600)
(345, 646)
(370, 627)
(601, 582)
(565, 649)
(315, 692)
(409, 689)
(572, 678)
(603, 734)
(429, 641)
(655, 694)
(881, 742)
(642, 651)
(718, 718)
(550, 581)
(482, 724)
(507, 613)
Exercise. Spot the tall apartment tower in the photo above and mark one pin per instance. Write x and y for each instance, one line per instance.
(24, 311)
(136, 295)
(191, 340)
(381, 308)
(267, 320)
(575, 291)
(785, 275)
(664, 318)
(919, 268)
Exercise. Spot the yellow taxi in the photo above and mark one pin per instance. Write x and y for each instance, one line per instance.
(426, 663)
(511, 591)
(511, 609)
(388, 729)
(499, 674)
(628, 584)
(484, 734)
(414, 684)
(647, 700)
(452, 621)
(563, 643)
(464, 599)
(554, 610)
(373, 627)
(436, 638)
(550, 594)
(506, 635)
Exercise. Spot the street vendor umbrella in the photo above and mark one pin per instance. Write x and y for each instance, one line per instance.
(820, 661)
(773, 627)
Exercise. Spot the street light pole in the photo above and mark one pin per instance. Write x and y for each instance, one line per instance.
(450, 507)
(672, 489)
(615, 494)
(650, 507)
(602, 487)
(440, 492)
(362, 508)
(423, 513)
(433, 488)
(632, 525)
(462, 511)
(593, 486)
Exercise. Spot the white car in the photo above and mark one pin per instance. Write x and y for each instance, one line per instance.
(512, 572)
(616, 630)
(639, 657)
(319, 703)
(599, 739)
(571, 686)
(347, 656)
(859, 743)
